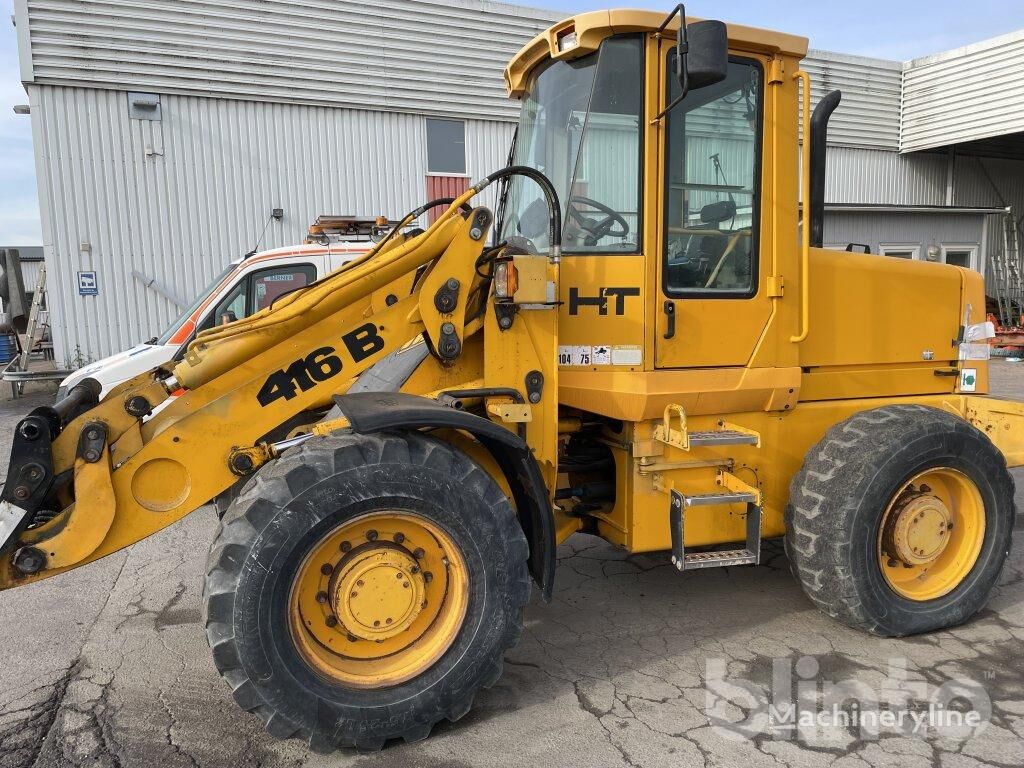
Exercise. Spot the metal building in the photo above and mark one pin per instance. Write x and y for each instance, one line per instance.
(166, 134)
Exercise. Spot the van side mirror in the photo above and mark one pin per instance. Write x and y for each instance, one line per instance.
(702, 55)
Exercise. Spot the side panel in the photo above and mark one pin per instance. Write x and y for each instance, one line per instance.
(647, 469)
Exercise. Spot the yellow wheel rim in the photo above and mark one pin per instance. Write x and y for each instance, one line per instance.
(931, 534)
(378, 600)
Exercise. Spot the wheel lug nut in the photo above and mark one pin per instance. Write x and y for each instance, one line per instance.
(893, 562)
(346, 546)
(331, 621)
(388, 621)
(359, 583)
(351, 638)
(321, 597)
(418, 553)
(414, 569)
(428, 576)
(399, 538)
(925, 489)
(371, 535)
(376, 623)
(406, 585)
(355, 594)
(326, 569)
(398, 575)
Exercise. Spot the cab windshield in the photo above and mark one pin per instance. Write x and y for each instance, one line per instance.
(580, 126)
(165, 337)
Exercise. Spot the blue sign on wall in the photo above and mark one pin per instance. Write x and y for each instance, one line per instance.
(87, 284)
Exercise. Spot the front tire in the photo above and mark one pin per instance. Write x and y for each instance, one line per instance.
(900, 520)
(363, 588)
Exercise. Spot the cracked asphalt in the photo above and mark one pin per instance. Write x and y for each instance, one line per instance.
(108, 666)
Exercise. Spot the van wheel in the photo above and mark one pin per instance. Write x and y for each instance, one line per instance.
(900, 519)
(363, 588)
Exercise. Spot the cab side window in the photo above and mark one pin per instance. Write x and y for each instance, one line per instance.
(270, 284)
(713, 179)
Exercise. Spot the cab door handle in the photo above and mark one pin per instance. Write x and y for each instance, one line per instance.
(670, 316)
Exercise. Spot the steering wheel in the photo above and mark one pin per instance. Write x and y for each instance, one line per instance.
(596, 229)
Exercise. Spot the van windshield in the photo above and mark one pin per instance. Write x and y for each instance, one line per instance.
(165, 337)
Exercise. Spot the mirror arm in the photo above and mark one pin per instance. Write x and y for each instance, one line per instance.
(682, 48)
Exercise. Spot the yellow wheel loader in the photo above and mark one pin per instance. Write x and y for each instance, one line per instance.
(644, 341)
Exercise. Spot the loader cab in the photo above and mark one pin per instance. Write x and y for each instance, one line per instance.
(674, 225)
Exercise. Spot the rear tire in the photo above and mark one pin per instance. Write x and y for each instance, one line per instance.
(837, 539)
(260, 559)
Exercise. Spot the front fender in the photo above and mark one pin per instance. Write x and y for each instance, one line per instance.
(369, 412)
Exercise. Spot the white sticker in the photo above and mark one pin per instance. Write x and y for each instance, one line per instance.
(602, 354)
(627, 355)
(968, 379)
(574, 355)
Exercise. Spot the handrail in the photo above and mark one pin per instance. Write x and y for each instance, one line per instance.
(805, 229)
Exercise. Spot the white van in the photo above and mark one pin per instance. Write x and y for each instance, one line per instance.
(246, 286)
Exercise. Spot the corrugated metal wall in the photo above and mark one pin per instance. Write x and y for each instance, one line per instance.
(869, 113)
(437, 57)
(177, 199)
(962, 95)
(922, 229)
(30, 274)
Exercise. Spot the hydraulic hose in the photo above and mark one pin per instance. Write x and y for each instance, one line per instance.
(219, 349)
(551, 196)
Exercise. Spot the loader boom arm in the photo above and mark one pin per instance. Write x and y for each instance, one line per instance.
(246, 382)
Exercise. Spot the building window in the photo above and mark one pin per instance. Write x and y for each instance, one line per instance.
(960, 255)
(446, 146)
(900, 251)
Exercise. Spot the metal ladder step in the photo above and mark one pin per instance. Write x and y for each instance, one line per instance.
(750, 554)
(722, 437)
(718, 559)
(725, 497)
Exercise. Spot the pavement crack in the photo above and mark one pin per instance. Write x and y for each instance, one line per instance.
(22, 740)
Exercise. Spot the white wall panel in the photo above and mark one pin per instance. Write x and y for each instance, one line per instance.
(178, 199)
(868, 115)
(426, 56)
(884, 177)
(963, 95)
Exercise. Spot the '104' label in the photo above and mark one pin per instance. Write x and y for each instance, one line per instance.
(599, 354)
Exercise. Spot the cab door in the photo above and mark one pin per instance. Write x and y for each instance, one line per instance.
(712, 303)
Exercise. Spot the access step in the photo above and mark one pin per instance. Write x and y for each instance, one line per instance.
(718, 559)
(750, 554)
(674, 432)
(722, 437)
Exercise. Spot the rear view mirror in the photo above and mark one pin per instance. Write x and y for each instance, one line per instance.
(707, 60)
(702, 54)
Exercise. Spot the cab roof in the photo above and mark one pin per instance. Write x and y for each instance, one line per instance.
(593, 27)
